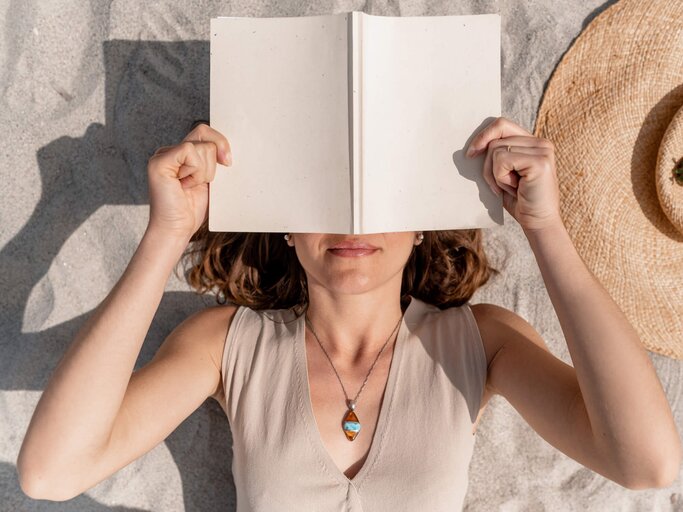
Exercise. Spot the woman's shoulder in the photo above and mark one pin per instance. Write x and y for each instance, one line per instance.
(214, 318)
(498, 324)
(492, 321)
(210, 326)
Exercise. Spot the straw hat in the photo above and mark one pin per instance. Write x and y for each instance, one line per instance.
(614, 111)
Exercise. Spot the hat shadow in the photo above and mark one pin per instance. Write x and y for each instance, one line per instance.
(644, 160)
(153, 93)
(590, 18)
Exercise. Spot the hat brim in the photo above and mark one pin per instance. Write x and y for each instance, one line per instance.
(606, 109)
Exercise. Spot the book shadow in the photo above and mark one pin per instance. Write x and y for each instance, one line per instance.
(470, 169)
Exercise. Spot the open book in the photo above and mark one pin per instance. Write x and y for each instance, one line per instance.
(353, 123)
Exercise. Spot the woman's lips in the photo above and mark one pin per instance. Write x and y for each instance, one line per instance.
(352, 252)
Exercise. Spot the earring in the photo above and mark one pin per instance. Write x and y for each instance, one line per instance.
(287, 237)
(420, 237)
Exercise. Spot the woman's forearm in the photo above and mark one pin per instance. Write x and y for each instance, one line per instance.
(629, 413)
(74, 416)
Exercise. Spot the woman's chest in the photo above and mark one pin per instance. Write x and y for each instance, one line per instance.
(328, 401)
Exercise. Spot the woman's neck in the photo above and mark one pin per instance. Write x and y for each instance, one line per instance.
(353, 327)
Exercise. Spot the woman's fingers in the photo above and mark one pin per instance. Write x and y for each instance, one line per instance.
(199, 165)
(502, 168)
(500, 128)
(523, 165)
(500, 132)
(180, 209)
(192, 163)
(204, 133)
(485, 141)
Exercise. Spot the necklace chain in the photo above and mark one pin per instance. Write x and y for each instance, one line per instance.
(352, 403)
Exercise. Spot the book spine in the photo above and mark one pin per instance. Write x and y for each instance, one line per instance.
(355, 46)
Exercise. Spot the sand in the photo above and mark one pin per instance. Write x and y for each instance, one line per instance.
(89, 91)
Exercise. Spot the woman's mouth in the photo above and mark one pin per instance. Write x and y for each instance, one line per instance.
(352, 252)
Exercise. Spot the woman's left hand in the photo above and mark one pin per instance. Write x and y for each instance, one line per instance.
(526, 173)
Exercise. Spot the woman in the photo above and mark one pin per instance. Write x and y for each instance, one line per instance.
(362, 309)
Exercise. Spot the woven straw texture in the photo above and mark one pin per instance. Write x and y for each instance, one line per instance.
(615, 95)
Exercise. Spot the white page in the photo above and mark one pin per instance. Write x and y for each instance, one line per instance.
(429, 83)
(279, 93)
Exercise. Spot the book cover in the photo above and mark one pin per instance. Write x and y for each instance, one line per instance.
(353, 123)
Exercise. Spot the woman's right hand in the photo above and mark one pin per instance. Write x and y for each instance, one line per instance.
(178, 178)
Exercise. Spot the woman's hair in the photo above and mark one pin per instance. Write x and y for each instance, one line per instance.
(260, 271)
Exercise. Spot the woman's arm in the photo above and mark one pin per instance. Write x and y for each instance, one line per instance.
(73, 420)
(629, 413)
(94, 415)
(616, 414)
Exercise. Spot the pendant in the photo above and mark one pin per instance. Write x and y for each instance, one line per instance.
(350, 423)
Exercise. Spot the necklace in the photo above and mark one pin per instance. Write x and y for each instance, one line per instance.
(350, 422)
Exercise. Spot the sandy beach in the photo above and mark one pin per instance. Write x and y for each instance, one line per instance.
(89, 91)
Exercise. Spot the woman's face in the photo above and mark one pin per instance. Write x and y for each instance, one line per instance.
(353, 274)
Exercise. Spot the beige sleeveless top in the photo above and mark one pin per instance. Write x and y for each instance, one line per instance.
(422, 445)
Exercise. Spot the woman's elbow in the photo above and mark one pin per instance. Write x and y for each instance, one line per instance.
(39, 486)
(665, 475)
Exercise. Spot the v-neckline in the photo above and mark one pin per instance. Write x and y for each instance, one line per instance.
(385, 409)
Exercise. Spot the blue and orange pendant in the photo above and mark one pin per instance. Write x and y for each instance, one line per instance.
(350, 423)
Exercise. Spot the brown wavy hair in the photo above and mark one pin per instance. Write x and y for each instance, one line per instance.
(261, 271)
